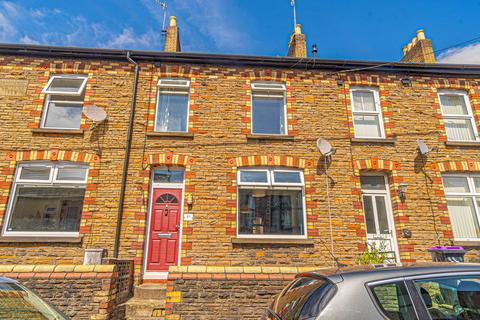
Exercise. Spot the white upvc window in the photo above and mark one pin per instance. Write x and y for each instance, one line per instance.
(172, 105)
(462, 192)
(46, 200)
(63, 102)
(269, 110)
(367, 113)
(457, 116)
(271, 203)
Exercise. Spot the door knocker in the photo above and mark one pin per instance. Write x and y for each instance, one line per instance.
(166, 210)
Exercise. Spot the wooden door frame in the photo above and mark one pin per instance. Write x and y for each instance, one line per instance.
(153, 186)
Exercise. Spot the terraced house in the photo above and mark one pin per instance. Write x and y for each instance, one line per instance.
(206, 175)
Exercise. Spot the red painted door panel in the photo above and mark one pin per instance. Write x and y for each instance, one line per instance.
(164, 229)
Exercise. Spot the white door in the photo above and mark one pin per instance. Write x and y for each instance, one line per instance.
(378, 216)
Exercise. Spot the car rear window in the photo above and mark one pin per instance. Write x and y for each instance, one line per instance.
(304, 298)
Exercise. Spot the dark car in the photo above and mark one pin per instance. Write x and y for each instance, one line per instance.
(18, 302)
(416, 291)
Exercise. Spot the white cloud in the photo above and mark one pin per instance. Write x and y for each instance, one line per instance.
(464, 55)
(204, 23)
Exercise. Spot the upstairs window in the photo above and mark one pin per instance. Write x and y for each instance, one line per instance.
(172, 105)
(367, 113)
(268, 108)
(463, 202)
(63, 102)
(457, 116)
(271, 203)
(47, 199)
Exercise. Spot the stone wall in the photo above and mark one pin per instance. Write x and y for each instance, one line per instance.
(224, 293)
(84, 292)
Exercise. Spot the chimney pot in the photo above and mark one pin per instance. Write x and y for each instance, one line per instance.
(405, 50)
(173, 21)
(421, 34)
(414, 41)
(409, 46)
(298, 29)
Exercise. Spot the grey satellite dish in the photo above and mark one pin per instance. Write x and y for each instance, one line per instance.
(96, 114)
(325, 147)
(422, 147)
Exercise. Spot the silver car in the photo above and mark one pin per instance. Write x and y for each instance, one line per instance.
(18, 302)
(409, 292)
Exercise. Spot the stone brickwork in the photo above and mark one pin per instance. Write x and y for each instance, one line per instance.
(80, 291)
(210, 292)
(218, 142)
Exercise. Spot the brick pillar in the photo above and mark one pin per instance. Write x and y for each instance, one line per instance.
(297, 47)
(172, 38)
(419, 50)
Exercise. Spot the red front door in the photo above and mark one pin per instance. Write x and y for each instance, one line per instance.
(164, 229)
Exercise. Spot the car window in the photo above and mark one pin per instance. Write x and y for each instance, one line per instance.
(394, 301)
(303, 299)
(17, 302)
(448, 298)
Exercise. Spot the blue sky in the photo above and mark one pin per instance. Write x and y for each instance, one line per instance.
(348, 29)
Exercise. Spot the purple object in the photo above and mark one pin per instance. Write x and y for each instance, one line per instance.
(447, 253)
(449, 248)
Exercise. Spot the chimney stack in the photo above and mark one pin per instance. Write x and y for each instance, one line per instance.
(172, 37)
(297, 46)
(419, 50)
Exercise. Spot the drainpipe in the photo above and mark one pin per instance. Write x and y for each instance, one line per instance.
(126, 160)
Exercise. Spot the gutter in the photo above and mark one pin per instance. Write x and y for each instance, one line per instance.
(126, 160)
(237, 60)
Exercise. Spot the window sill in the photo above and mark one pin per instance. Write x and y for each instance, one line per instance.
(463, 243)
(272, 241)
(58, 131)
(462, 143)
(269, 137)
(19, 239)
(375, 140)
(170, 135)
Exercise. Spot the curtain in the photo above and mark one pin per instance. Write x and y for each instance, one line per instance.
(463, 217)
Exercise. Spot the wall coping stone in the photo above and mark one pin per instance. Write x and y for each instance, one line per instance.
(61, 268)
(240, 269)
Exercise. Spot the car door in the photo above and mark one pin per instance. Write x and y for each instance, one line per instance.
(446, 296)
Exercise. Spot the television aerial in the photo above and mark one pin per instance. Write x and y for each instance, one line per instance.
(96, 114)
(325, 147)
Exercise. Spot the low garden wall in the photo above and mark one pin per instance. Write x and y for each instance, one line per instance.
(80, 291)
(201, 292)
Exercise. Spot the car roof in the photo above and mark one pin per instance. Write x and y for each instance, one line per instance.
(380, 272)
(7, 280)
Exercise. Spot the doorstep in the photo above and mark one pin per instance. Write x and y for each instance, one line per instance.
(162, 275)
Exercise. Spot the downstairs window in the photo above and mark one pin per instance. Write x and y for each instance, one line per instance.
(271, 203)
(47, 199)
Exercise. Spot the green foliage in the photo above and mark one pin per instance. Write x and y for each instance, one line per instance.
(374, 255)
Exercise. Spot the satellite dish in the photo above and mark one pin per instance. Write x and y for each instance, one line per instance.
(325, 147)
(422, 147)
(94, 113)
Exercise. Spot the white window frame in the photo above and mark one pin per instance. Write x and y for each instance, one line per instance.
(52, 182)
(468, 116)
(48, 98)
(378, 112)
(63, 93)
(269, 90)
(182, 87)
(272, 186)
(472, 194)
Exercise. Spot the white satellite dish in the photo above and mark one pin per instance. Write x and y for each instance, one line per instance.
(94, 113)
(325, 147)
(422, 147)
